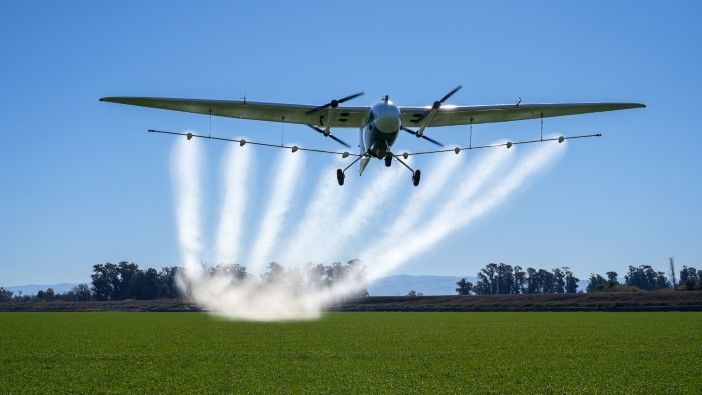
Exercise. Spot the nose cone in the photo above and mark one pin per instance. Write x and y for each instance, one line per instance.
(387, 118)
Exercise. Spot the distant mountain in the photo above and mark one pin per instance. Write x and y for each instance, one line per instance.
(32, 289)
(401, 284)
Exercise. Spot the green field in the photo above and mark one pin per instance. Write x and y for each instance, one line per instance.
(352, 352)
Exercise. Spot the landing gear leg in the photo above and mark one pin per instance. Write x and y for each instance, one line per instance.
(416, 174)
(388, 159)
(340, 176)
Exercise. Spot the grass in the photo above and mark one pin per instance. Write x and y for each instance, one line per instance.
(352, 352)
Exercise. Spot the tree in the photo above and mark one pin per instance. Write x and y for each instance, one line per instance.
(571, 282)
(236, 271)
(414, 294)
(143, 285)
(644, 277)
(5, 294)
(613, 276)
(82, 292)
(548, 281)
(519, 280)
(124, 287)
(274, 272)
(559, 281)
(497, 278)
(671, 264)
(464, 287)
(104, 278)
(167, 282)
(533, 281)
(334, 272)
(46, 296)
(487, 283)
(597, 282)
(690, 279)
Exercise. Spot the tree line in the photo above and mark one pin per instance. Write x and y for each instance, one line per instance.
(646, 278)
(500, 278)
(126, 280)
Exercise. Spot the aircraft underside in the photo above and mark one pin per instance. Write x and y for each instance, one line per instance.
(379, 125)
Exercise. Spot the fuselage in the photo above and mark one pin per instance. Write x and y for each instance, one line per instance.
(381, 129)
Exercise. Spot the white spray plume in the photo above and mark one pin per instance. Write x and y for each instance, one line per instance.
(417, 203)
(295, 294)
(298, 293)
(321, 213)
(235, 171)
(185, 169)
(461, 210)
(368, 204)
(287, 172)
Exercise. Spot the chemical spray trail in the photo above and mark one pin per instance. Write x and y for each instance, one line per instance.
(298, 293)
(280, 196)
(235, 170)
(416, 205)
(185, 169)
(462, 209)
(367, 204)
(320, 215)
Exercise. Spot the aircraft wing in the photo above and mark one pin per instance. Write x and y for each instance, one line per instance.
(453, 115)
(274, 112)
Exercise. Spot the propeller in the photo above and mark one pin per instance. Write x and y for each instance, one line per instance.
(437, 104)
(410, 131)
(334, 103)
(340, 141)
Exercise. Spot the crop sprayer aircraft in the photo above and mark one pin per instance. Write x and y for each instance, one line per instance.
(378, 125)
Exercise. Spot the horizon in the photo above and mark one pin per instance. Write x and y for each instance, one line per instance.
(84, 183)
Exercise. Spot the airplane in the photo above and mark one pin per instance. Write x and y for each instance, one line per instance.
(379, 125)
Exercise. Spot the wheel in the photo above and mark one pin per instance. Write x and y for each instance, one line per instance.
(388, 159)
(340, 176)
(416, 176)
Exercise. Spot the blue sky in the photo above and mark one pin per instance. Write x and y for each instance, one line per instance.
(83, 183)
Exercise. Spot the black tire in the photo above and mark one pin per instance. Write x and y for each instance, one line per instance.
(416, 176)
(388, 159)
(340, 176)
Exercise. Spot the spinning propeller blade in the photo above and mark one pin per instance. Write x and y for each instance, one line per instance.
(437, 104)
(410, 131)
(334, 103)
(331, 136)
(446, 97)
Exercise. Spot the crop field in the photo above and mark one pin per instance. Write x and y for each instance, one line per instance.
(352, 352)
